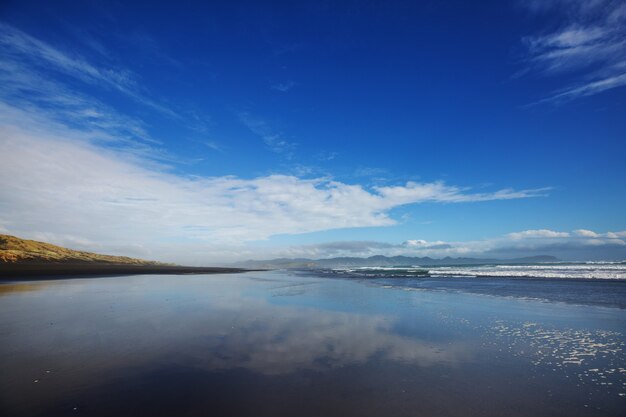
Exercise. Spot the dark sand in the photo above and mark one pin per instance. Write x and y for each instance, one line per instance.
(52, 271)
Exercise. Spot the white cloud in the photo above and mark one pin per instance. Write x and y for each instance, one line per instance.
(19, 47)
(543, 233)
(416, 243)
(580, 244)
(587, 89)
(586, 233)
(590, 44)
(46, 83)
(442, 193)
(30, 91)
(55, 180)
(424, 244)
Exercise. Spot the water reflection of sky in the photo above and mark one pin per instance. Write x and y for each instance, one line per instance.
(238, 323)
(71, 335)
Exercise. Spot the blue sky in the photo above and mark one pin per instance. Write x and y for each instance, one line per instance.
(208, 131)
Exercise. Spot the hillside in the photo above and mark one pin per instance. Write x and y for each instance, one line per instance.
(24, 259)
(14, 250)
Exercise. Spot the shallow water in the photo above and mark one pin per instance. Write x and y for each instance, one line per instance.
(275, 343)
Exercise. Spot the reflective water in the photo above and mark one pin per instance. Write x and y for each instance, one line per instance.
(273, 343)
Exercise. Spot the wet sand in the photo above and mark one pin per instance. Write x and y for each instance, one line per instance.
(279, 344)
(52, 270)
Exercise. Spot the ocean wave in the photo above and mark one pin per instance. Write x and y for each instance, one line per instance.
(382, 271)
(597, 270)
(580, 271)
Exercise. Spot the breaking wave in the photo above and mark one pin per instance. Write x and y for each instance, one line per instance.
(587, 270)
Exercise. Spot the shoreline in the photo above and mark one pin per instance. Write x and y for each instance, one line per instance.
(10, 272)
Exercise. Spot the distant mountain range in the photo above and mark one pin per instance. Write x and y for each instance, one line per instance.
(29, 256)
(379, 260)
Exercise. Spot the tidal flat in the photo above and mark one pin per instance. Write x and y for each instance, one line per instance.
(276, 343)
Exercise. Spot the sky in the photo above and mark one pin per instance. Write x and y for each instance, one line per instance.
(214, 132)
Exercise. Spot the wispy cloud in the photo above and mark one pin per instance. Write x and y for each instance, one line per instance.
(371, 172)
(541, 233)
(58, 86)
(23, 49)
(327, 156)
(442, 193)
(91, 121)
(101, 195)
(152, 49)
(28, 89)
(274, 140)
(283, 87)
(212, 145)
(20, 45)
(589, 45)
(586, 89)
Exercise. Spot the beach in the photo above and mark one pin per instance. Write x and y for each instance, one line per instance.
(304, 343)
(313, 208)
(60, 270)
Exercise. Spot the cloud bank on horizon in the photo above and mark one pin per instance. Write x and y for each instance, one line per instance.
(95, 157)
(574, 245)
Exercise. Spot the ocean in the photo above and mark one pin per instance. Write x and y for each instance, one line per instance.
(565, 270)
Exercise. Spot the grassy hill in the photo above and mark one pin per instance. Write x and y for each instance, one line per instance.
(25, 259)
(14, 250)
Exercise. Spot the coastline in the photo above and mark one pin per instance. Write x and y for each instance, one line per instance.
(56, 271)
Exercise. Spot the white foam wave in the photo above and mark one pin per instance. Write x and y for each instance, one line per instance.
(581, 271)
(387, 268)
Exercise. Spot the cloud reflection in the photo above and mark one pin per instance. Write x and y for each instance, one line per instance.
(84, 330)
